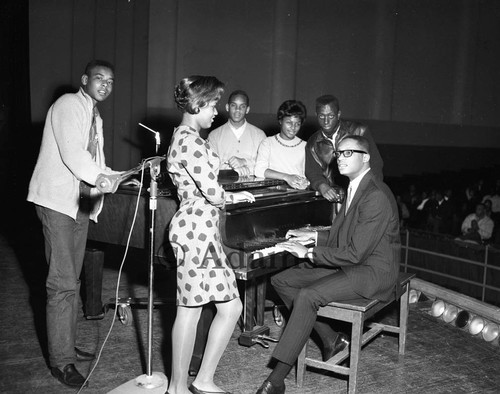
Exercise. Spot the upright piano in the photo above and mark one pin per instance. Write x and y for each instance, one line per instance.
(250, 231)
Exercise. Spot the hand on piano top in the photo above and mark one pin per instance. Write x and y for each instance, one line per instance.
(235, 198)
(296, 181)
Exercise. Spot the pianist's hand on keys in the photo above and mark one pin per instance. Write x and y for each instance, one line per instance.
(297, 244)
(301, 235)
(297, 247)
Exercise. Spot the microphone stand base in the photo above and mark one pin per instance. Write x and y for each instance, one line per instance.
(156, 383)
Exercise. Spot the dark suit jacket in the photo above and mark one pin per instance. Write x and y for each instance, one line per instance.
(321, 166)
(365, 242)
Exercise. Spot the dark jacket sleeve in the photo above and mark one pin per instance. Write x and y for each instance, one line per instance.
(314, 172)
(376, 162)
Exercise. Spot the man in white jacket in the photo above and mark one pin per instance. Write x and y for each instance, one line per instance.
(63, 190)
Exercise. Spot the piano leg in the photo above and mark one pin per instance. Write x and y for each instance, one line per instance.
(261, 300)
(249, 304)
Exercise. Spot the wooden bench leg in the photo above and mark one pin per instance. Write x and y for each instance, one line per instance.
(403, 318)
(301, 367)
(356, 342)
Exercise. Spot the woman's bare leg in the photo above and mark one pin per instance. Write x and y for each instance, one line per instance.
(220, 332)
(183, 336)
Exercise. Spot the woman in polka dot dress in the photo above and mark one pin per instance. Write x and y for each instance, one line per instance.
(203, 273)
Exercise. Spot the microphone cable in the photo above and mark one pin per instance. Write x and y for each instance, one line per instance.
(117, 282)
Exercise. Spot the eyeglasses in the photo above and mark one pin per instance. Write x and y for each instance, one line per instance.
(347, 152)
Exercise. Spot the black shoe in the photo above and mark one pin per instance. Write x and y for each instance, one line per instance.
(192, 372)
(194, 366)
(268, 388)
(196, 390)
(83, 356)
(99, 316)
(340, 343)
(68, 376)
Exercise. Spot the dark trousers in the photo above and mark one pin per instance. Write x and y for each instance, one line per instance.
(92, 281)
(65, 240)
(303, 289)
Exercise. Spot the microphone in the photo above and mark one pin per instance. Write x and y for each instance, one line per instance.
(157, 136)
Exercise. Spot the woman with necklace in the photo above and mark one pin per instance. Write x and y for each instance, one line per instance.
(282, 156)
(203, 271)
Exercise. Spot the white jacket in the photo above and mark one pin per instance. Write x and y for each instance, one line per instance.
(64, 161)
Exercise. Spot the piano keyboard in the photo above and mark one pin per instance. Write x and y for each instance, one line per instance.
(272, 250)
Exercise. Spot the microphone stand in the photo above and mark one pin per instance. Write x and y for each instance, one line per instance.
(151, 379)
(155, 382)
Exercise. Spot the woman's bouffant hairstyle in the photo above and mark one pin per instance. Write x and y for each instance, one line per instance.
(196, 91)
(292, 108)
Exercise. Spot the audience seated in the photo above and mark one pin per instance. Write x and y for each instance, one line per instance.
(487, 205)
(440, 202)
(477, 227)
(403, 211)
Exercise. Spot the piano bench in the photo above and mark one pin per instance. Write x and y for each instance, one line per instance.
(356, 312)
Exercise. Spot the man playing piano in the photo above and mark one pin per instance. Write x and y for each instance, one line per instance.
(321, 169)
(358, 258)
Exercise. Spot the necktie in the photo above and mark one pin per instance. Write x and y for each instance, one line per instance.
(349, 197)
(92, 144)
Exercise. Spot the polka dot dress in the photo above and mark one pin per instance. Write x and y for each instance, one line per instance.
(203, 273)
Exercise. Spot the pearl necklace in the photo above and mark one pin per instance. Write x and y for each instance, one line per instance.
(285, 145)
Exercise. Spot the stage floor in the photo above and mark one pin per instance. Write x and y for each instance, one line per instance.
(440, 358)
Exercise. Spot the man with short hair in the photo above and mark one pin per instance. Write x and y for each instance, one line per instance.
(321, 169)
(477, 226)
(63, 190)
(357, 258)
(237, 141)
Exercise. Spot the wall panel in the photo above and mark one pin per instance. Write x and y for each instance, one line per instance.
(412, 65)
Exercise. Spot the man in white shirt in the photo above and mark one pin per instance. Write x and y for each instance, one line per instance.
(237, 141)
(477, 226)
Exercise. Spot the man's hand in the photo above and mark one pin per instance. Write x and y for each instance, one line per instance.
(296, 181)
(132, 182)
(295, 248)
(329, 193)
(243, 171)
(236, 162)
(302, 236)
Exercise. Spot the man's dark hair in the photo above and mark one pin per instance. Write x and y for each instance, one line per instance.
(327, 99)
(239, 93)
(98, 63)
(361, 141)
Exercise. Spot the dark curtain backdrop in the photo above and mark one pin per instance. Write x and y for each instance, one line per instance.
(422, 73)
